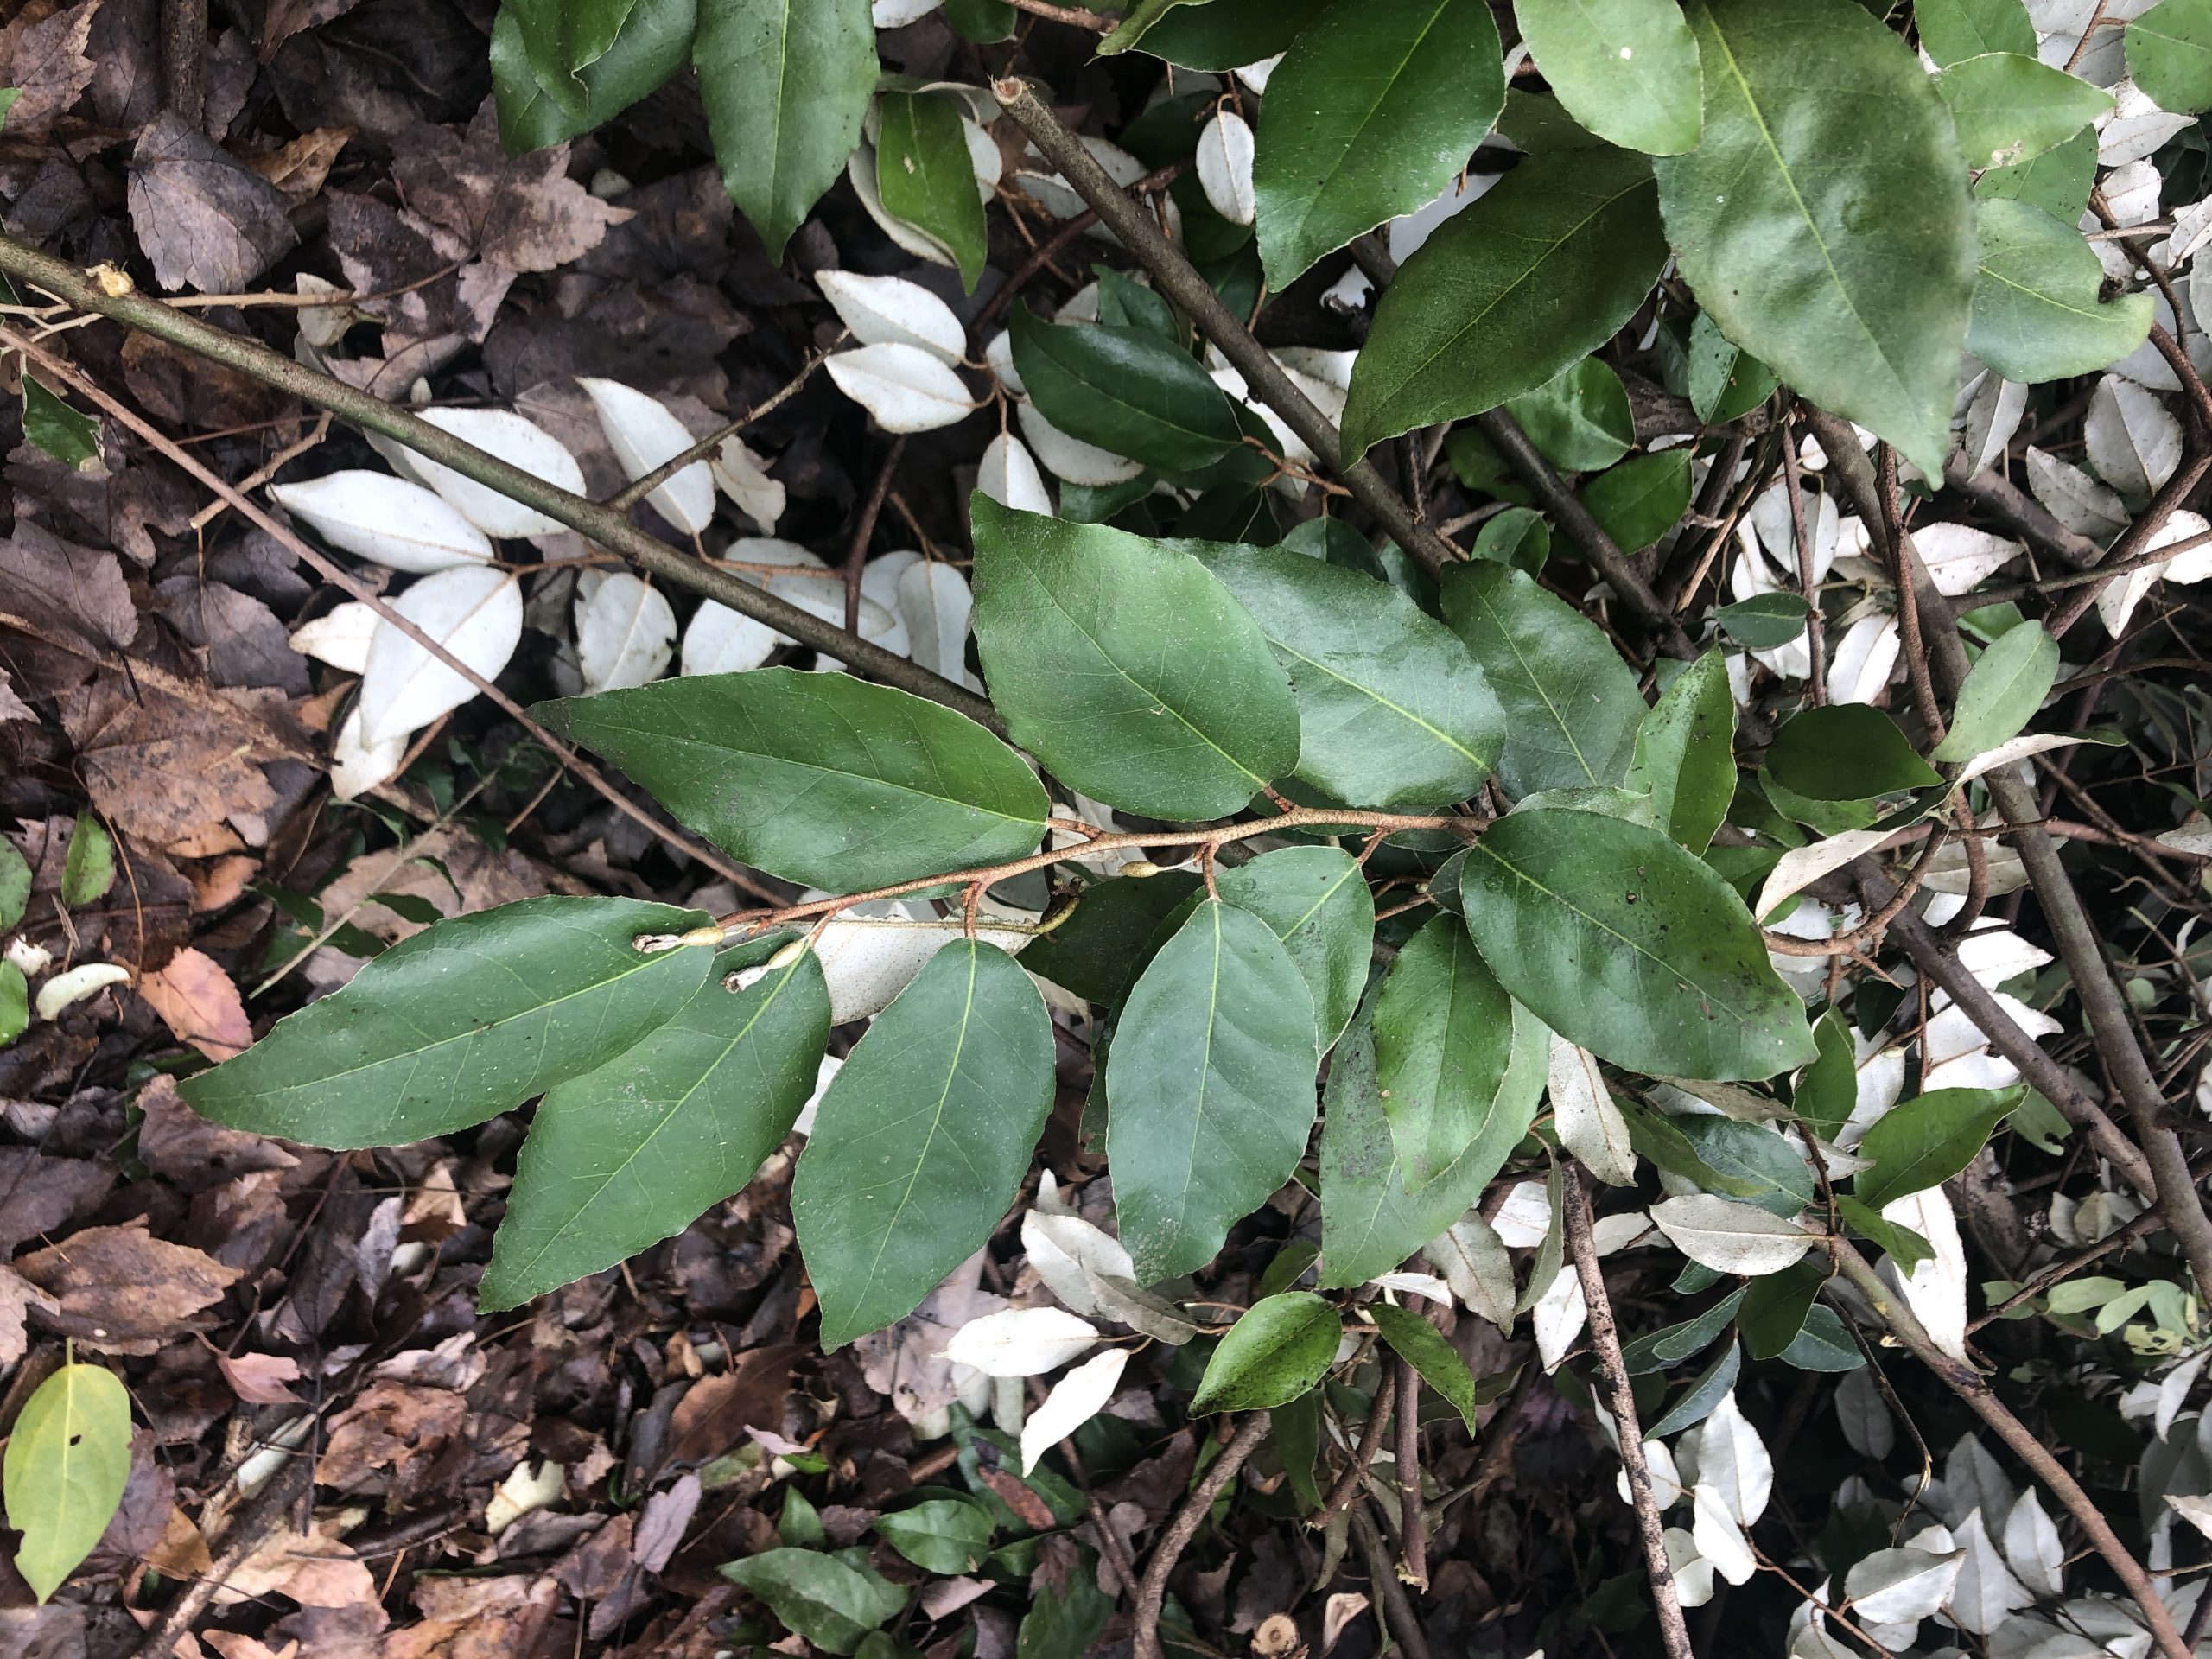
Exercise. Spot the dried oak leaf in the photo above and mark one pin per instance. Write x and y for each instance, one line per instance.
(715, 1411)
(170, 761)
(46, 57)
(310, 1568)
(69, 596)
(123, 1291)
(197, 1001)
(476, 1618)
(11, 706)
(906, 1360)
(299, 168)
(260, 1379)
(373, 1441)
(521, 212)
(194, 1155)
(204, 219)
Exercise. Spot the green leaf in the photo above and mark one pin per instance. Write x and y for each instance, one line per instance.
(1127, 668)
(1922, 1142)
(654, 44)
(1903, 1246)
(1128, 303)
(1640, 500)
(1824, 1343)
(1686, 753)
(1827, 1090)
(1225, 34)
(1954, 29)
(68, 1458)
(941, 1535)
(1391, 708)
(820, 779)
(1703, 1396)
(1759, 1166)
(1063, 1624)
(633, 1153)
(1540, 271)
(922, 1139)
(1518, 536)
(1370, 115)
(1764, 621)
(1658, 1350)
(1370, 1221)
(985, 22)
(2039, 310)
(564, 36)
(1417, 1342)
(88, 868)
(1296, 1430)
(2058, 181)
(71, 438)
(1724, 381)
(786, 85)
(14, 883)
(1625, 69)
(15, 1003)
(1572, 708)
(1271, 1355)
(925, 176)
(7, 97)
(1579, 418)
(817, 1595)
(2009, 108)
(2003, 689)
(1824, 220)
(1139, 21)
(1098, 951)
(2169, 54)
(462, 1021)
(1622, 942)
(1209, 1088)
(1846, 751)
(1315, 900)
(800, 1524)
(1125, 390)
(1444, 1041)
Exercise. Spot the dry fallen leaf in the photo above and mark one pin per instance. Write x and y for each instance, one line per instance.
(197, 1000)
(204, 219)
(45, 57)
(123, 1291)
(18, 1294)
(259, 1379)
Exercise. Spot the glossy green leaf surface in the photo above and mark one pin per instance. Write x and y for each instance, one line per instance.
(1580, 418)
(1764, 620)
(1275, 1352)
(2039, 310)
(833, 1605)
(2169, 54)
(1954, 29)
(1443, 1043)
(1208, 1086)
(1127, 668)
(939, 1535)
(1316, 900)
(69, 1458)
(1922, 1142)
(653, 44)
(1370, 115)
(925, 176)
(1622, 942)
(922, 1139)
(1417, 1342)
(1226, 34)
(1391, 708)
(462, 1021)
(1098, 951)
(785, 83)
(88, 867)
(1827, 1090)
(633, 1152)
(820, 779)
(70, 436)
(1125, 390)
(1846, 751)
(1641, 499)
(2009, 108)
(2058, 181)
(562, 37)
(1824, 220)
(15, 1003)
(2003, 689)
(1625, 69)
(1685, 756)
(1571, 707)
(1540, 271)
(14, 883)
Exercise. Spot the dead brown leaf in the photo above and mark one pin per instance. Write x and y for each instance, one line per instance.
(374, 1440)
(475, 1618)
(197, 1000)
(522, 212)
(46, 57)
(232, 1645)
(715, 1412)
(39, 1194)
(260, 1379)
(123, 1291)
(171, 765)
(204, 219)
(18, 1295)
(309, 1568)
(184, 1148)
(299, 168)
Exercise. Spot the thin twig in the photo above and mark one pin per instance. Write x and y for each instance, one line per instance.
(864, 531)
(1394, 1609)
(1413, 1516)
(262, 1515)
(1152, 1595)
(639, 488)
(1605, 1341)
(1815, 634)
(1151, 184)
(1076, 17)
(1379, 1412)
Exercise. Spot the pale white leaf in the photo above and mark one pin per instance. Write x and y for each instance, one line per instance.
(2192, 230)
(1718, 1538)
(1728, 1237)
(1070, 1253)
(1559, 1316)
(1733, 1461)
(890, 310)
(1667, 1487)
(1800, 866)
(2133, 440)
(880, 575)
(1473, 1262)
(340, 637)
(521, 444)
(719, 640)
(1071, 459)
(1936, 1290)
(1225, 148)
(1416, 1284)
(646, 436)
(897, 13)
(1525, 1218)
(1985, 1593)
(1692, 1573)
(936, 606)
(1009, 475)
(1864, 660)
(868, 961)
(1991, 419)
(1958, 556)
(396, 523)
(75, 984)
(2135, 128)
(2132, 193)
(2117, 602)
(2075, 499)
(1589, 1125)
(743, 477)
(625, 632)
(2194, 838)
(1022, 1341)
(1893, 1587)
(1993, 955)
(825, 1075)
(2032, 1546)
(1255, 75)
(2019, 749)
(903, 387)
(475, 613)
(357, 767)
(1075, 1400)
(1972, 1481)
(998, 357)
(1864, 1416)
(2194, 1509)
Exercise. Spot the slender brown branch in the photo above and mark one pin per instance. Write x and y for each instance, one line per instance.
(184, 60)
(2022, 514)
(335, 574)
(864, 531)
(1412, 1516)
(2133, 541)
(1815, 634)
(1196, 299)
(1153, 1594)
(639, 488)
(1967, 1383)
(1379, 1412)
(595, 523)
(1151, 184)
(1605, 1341)
(1074, 16)
(1394, 1609)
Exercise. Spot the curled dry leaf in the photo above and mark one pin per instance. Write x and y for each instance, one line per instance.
(645, 437)
(88, 979)
(743, 477)
(475, 613)
(388, 519)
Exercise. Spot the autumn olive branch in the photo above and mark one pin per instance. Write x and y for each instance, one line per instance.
(1975, 1391)
(110, 294)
